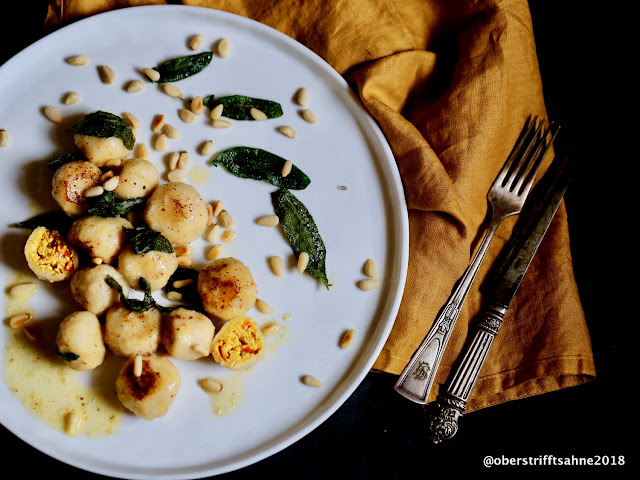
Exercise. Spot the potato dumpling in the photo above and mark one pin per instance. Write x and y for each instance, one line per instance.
(151, 394)
(178, 212)
(187, 334)
(69, 184)
(239, 344)
(103, 237)
(227, 288)
(129, 333)
(80, 342)
(49, 256)
(90, 290)
(138, 178)
(156, 267)
(99, 151)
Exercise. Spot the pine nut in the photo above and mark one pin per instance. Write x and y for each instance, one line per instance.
(53, 114)
(187, 116)
(71, 98)
(347, 338)
(207, 148)
(184, 250)
(270, 329)
(185, 261)
(288, 131)
(209, 214)
(97, 261)
(183, 160)
(113, 163)
(172, 90)
(268, 221)
(30, 332)
(226, 220)
(151, 74)
(107, 75)
(370, 268)
(257, 114)
(72, 422)
(183, 283)
(4, 138)
(158, 123)
(173, 160)
(111, 184)
(135, 86)
(23, 290)
(106, 176)
(224, 48)
(368, 284)
(277, 266)
(303, 261)
(137, 365)
(217, 208)
(196, 42)
(78, 60)
(176, 176)
(309, 116)
(197, 107)
(19, 320)
(286, 168)
(311, 381)
(162, 142)
(200, 350)
(94, 191)
(303, 97)
(263, 307)
(228, 236)
(170, 131)
(211, 385)
(214, 252)
(143, 152)
(214, 234)
(174, 296)
(218, 123)
(132, 119)
(216, 112)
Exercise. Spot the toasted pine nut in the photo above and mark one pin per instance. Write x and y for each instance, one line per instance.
(286, 168)
(174, 296)
(111, 184)
(19, 320)
(151, 74)
(370, 268)
(368, 284)
(72, 422)
(97, 261)
(311, 381)
(143, 152)
(184, 250)
(71, 98)
(303, 261)
(183, 283)
(303, 97)
(347, 338)
(288, 131)
(187, 116)
(257, 114)
(196, 42)
(23, 290)
(172, 90)
(107, 75)
(158, 122)
(228, 236)
(106, 176)
(53, 114)
(224, 48)
(209, 214)
(137, 365)
(185, 261)
(207, 148)
(113, 163)
(78, 60)
(277, 266)
(183, 160)
(268, 221)
(309, 116)
(211, 385)
(4, 138)
(213, 234)
(200, 349)
(263, 306)
(170, 131)
(218, 123)
(162, 142)
(173, 160)
(176, 175)
(214, 252)
(135, 86)
(270, 329)
(216, 112)
(197, 107)
(94, 191)
(225, 219)
(217, 208)
(132, 119)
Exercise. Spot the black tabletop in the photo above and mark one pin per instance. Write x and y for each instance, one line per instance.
(376, 432)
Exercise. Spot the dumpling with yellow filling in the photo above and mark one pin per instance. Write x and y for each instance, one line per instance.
(239, 344)
(49, 256)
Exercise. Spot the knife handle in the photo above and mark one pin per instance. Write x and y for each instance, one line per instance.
(452, 402)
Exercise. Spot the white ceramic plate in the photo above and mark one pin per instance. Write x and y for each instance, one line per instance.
(367, 220)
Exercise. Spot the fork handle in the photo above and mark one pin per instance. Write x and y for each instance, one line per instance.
(452, 402)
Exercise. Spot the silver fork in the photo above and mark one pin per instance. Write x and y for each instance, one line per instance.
(506, 197)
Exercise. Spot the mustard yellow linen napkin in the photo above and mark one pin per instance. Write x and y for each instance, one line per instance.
(451, 83)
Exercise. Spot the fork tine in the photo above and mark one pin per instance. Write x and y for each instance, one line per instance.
(542, 147)
(518, 169)
(515, 152)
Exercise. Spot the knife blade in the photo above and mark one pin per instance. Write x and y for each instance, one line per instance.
(503, 281)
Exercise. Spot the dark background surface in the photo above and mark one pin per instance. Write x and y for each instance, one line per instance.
(379, 434)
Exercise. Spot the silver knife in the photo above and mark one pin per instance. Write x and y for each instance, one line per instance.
(504, 280)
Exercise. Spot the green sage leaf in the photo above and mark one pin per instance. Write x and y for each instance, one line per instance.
(144, 240)
(68, 356)
(104, 125)
(182, 67)
(56, 162)
(238, 107)
(58, 221)
(109, 205)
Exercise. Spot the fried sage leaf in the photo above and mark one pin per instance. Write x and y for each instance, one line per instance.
(301, 232)
(58, 221)
(182, 67)
(144, 240)
(136, 305)
(258, 164)
(56, 162)
(109, 205)
(67, 356)
(238, 107)
(189, 291)
(104, 125)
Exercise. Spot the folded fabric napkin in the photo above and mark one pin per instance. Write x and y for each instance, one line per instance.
(451, 83)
